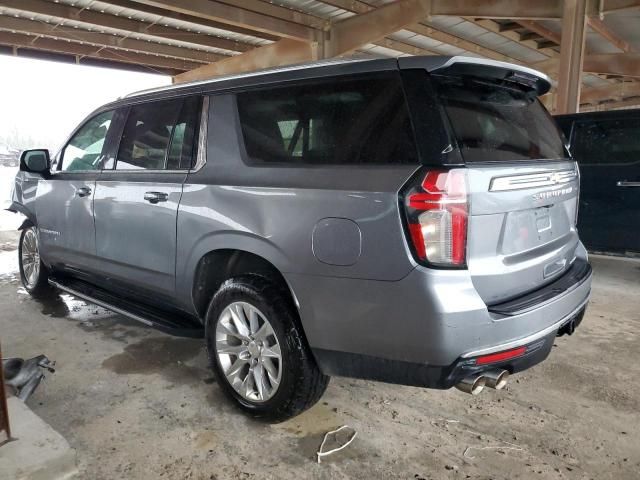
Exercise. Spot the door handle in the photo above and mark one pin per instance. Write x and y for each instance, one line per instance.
(155, 197)
(624, 183)
(83, 192)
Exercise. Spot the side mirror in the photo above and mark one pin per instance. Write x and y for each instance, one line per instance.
(35, 161)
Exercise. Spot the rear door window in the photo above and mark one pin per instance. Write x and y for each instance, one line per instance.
(336, 121)
(614, 142)
(159, 135)
(498, 122)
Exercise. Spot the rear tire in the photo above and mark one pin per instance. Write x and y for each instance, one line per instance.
(258, 352)
(33, 273)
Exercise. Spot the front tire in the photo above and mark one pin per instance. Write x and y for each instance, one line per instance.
(33, 273)
(258, 352)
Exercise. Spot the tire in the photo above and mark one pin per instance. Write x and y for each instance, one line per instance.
(33, 273)
(291, 383)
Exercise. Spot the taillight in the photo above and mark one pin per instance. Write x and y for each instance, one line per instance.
(437, 214)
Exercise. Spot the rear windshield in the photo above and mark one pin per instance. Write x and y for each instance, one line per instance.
(498, 122)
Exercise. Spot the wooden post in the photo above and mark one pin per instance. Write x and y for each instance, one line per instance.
(574, 22)
(4, 409)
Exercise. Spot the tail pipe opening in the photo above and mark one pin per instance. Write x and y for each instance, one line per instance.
(472, 385)
(496, 379)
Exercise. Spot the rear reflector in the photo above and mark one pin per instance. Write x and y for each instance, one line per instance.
(501, 356)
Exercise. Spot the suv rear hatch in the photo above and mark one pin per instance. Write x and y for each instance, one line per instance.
(521, 187)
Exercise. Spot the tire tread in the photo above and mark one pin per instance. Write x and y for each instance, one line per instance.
(309, 383)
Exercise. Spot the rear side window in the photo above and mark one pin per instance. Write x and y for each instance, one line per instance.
(159, 135)
(498, 122)
(338, 121)
(607, 141)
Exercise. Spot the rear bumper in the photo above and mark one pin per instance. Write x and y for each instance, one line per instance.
(440, 377)
(424, 330)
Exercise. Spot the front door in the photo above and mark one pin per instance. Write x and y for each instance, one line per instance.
(136, 200)
(608, 152)
(64, 204)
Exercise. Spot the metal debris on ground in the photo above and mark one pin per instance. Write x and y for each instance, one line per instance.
(24, 376)
(321, 454)
(497, 447)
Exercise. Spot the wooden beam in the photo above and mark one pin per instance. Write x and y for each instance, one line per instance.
(21, 40)
(623, 64)
(494, 27)
(427, 30)
(288, 14)
(530, 36)
(605, 32)
(616, 91)
(349, 34)
(620, 64)
(403, 47)
(574, 22)
(231, 15)
(540, 30)
(282, 52)
(510, 26)
(148, 9)
(542, 44)
(345, 36)
(630, 102)
(103, 39)
(277, 11)
(619, 5)
(509, 9)
(98, 19)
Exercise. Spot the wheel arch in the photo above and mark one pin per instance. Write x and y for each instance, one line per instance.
(217, 266)
(16, 207)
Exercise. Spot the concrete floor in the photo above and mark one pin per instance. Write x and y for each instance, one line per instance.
(138, 404)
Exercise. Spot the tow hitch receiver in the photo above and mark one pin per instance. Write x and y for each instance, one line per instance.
(570, 327)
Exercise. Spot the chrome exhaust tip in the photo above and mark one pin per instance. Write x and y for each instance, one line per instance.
(496, 379)
(472, 385)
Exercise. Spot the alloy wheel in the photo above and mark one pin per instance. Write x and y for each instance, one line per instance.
(249, 352)
(30, 257)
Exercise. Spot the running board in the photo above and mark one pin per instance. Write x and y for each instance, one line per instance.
(152, 317)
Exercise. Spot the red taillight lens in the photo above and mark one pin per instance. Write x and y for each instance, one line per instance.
(500, 356)
(437, 217)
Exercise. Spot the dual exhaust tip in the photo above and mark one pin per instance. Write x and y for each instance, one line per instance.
(496, 379)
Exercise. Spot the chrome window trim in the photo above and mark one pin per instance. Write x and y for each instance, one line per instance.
(532, 180)
(201, 147)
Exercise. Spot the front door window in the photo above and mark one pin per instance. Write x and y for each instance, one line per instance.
(84, 150)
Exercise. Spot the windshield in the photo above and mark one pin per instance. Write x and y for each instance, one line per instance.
(498, 122)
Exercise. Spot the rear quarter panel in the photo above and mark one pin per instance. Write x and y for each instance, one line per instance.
(272, 211)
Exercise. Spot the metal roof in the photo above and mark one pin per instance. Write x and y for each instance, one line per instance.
(172, 36)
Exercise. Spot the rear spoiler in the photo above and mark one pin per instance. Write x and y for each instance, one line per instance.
(479, 67)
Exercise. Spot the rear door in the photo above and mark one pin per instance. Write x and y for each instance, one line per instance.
(608, 152)
(64, 204)
(522, 189)
(137, 198)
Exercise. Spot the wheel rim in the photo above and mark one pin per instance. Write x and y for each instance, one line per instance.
(249, 352)
(30, 257)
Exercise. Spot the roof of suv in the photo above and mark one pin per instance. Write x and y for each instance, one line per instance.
(430, 63)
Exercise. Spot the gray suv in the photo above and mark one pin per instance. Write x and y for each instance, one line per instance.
(403, 220)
